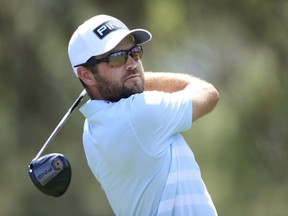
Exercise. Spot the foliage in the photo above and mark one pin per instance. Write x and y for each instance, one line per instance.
(239, 46)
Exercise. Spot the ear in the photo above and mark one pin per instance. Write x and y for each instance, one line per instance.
(86, 75)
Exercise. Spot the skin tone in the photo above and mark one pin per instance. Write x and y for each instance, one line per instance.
(203, 95)
(114, 83)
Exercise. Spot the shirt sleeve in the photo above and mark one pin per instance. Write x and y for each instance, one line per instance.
(157, 116)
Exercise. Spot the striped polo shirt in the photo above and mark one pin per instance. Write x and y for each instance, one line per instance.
(135, 150)
(185, 193)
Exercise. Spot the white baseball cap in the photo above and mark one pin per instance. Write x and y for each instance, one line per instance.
(99, 35)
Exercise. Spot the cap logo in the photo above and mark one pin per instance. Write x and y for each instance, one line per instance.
(107, 27)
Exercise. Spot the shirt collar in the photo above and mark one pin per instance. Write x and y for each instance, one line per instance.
(93, 106)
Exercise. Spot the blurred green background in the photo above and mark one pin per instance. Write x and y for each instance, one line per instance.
(239, 46)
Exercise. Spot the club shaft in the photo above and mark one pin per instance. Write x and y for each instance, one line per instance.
(61, 124)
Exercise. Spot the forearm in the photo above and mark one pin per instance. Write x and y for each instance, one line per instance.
(203, 95)
(172, 82)
(166, 82)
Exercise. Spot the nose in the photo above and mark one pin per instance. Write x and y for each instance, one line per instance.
(130, 63)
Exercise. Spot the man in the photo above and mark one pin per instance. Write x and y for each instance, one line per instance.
(133, 122)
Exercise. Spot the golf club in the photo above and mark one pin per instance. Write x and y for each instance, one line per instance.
(51, 173)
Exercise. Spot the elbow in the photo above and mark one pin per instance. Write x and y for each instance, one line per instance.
(213, 98)
(205, 102)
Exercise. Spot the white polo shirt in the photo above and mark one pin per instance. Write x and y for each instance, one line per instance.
(135, 150)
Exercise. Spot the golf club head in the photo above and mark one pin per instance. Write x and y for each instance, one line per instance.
(51, 174)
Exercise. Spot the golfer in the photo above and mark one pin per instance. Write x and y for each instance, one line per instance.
(132, 132)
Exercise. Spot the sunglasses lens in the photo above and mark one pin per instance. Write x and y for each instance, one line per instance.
(137, 53)
(117, 59)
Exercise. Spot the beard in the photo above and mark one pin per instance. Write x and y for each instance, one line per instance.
(115, 91)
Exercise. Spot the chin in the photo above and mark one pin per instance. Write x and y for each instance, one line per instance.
(138, 89)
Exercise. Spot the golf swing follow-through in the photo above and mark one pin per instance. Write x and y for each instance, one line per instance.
(51, 173)
(133, 123)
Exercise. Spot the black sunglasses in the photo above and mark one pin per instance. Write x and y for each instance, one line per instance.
(116, 59)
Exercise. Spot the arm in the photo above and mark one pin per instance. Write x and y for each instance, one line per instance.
(203, 95)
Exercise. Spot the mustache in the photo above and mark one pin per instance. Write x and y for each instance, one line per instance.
(131, 72)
